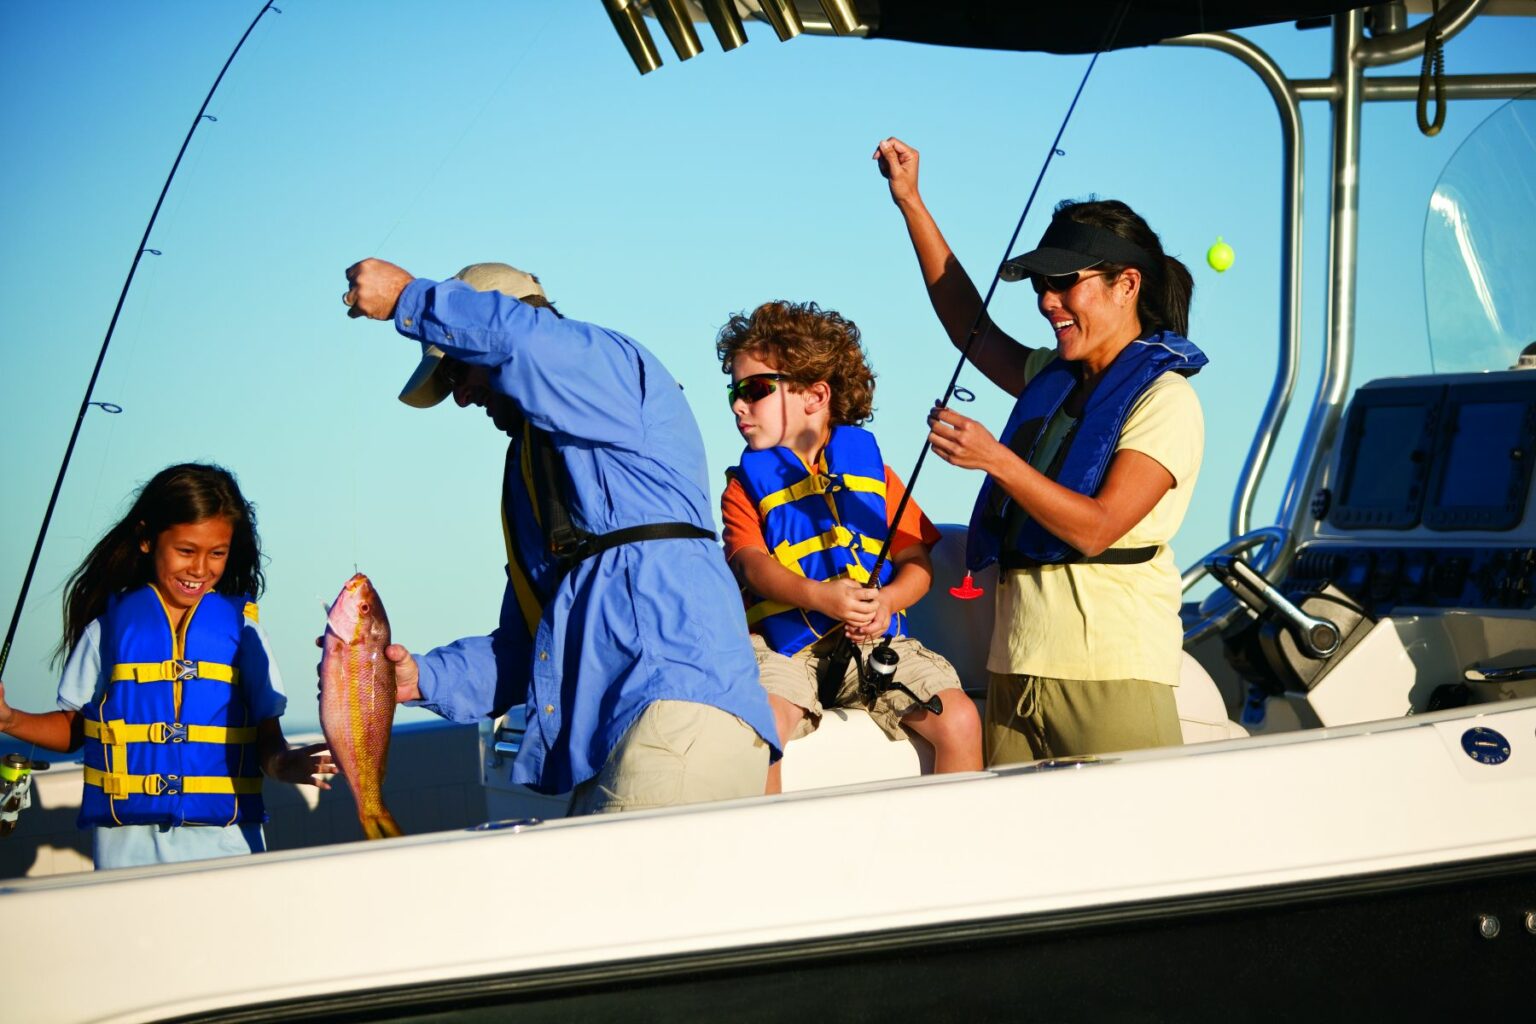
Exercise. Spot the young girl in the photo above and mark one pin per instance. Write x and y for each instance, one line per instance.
(169, 682)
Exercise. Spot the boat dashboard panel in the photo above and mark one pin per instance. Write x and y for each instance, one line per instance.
(1427, 502)
(1383, 578)
(1449, 453)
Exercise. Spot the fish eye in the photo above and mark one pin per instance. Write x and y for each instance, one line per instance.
(363, 607)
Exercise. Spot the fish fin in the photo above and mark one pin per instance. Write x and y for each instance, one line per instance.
(381, 826)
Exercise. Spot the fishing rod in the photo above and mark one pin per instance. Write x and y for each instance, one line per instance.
(883, 660)
(90, 387)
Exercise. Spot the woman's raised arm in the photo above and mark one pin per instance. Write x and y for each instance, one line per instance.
(950, 289)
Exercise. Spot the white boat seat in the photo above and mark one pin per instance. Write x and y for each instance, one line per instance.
(962, 630)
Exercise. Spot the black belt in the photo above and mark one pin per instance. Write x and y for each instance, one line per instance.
(576, 546)
(1109, 556)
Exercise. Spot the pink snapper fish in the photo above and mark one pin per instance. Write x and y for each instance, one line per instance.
(357, 699)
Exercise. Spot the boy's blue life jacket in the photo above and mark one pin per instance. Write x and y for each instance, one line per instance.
(821, 525)
(999, 528)
(169, 741)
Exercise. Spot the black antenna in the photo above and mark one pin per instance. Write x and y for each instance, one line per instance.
(86, 402)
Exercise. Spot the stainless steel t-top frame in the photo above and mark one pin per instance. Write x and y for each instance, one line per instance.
(1345, 89)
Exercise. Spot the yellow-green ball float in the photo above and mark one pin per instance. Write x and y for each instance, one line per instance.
(1220, 256)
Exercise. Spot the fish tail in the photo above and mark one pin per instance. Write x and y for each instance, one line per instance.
(380, 825)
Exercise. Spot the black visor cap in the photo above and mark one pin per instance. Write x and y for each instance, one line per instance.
(1067, 247)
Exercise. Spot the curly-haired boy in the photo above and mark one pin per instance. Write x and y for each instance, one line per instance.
(806, 513)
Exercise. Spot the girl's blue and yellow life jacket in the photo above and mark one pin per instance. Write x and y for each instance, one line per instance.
(168, 740)
(821, 524)
(998, 527)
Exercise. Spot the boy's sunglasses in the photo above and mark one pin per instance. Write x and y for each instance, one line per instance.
(754, 388)
(1043, 283)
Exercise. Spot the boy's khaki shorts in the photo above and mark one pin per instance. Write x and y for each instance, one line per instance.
(677, 752)
(794, 679)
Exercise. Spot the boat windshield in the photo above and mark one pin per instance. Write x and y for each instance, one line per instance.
(1480, 246)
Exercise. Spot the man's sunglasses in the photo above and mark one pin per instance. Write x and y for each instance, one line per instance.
(754, 388)
(1043, 283)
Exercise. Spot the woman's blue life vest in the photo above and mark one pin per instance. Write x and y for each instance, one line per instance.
(169, 740)
(1085, 453)
(823, 524)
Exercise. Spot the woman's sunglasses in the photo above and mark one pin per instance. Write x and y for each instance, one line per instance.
(754, 388)
(1059, 282)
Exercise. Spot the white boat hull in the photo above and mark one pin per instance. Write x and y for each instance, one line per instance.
(1391, 810)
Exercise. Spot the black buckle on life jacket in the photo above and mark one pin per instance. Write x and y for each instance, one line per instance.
(569, 545)
(188, 670)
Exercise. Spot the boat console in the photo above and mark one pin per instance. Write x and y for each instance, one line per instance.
(1423, 529)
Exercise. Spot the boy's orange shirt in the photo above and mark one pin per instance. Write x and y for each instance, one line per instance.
(744, 529)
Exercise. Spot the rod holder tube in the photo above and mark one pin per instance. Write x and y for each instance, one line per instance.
(678, 25)
(635, 36)
(781, 14)
(726, 23)
(842, 15)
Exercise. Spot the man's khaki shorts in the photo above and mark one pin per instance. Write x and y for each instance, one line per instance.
(677, 752)
(794, 679)
(1033, 717)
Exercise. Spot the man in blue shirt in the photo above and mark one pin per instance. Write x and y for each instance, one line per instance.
(621, 628)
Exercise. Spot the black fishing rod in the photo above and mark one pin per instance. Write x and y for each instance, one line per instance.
(90, 387)
(833, 668)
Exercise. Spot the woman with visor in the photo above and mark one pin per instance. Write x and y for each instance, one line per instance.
(1088, 482)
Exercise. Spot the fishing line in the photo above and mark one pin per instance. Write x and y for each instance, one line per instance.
(86, 402)
(836, 664)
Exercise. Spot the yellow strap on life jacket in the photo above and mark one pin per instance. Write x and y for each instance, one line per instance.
(522, 587)
(115, 733)
(815, 483)
(252, 612)
(789, 555)
(760, 611)
(118, 786)
(162, 671)
(867, 484)
(819, 483)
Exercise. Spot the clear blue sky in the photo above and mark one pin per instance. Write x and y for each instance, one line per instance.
(439, 134)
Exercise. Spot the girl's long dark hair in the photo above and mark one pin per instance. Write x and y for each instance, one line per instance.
(187, 493)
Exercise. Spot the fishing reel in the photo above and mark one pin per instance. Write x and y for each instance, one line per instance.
(15, 788)
(877, 675)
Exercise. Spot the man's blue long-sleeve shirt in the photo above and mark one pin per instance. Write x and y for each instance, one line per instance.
(656, 620)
